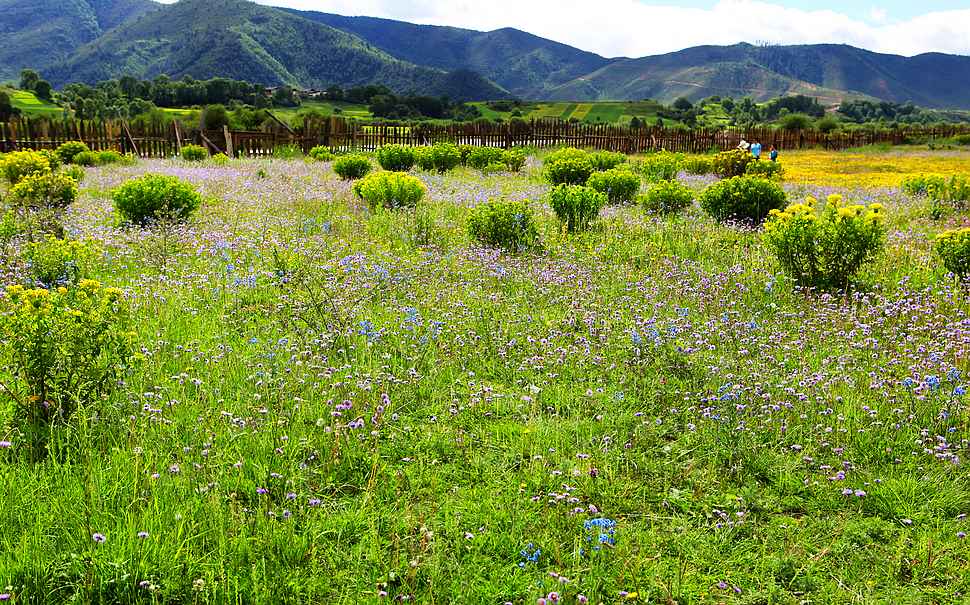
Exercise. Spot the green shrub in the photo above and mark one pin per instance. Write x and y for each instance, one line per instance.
(396, 158)
(62, 348)
(620, 185)
(110, 156)
(57, 262)
(606, 160)
(18, 165)
(480, 157)
(576, 206)
(697, 165)
(464, 151)
(424, 159)
(566, 153)
(825, 250)
(68, 150)
(87, 158)
(729, 164)
(287, 152)
(946, 194)
(155, 197)
(321, 154)
(351, 167)
(667, 197)
(766, 170)
(660, 166)
(220, 159)
(445, 157)
(75, 172)
(390, 190)
(53, 160)
(569, 171)
(743, 198)
(194, 153)
(961, 139)
(45, 190)
(954, 248)
(514, 160)
(504, 224)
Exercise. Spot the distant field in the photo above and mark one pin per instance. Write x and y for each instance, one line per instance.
(30, 105)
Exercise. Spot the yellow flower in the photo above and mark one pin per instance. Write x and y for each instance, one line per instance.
(89, 285)
(834, 200)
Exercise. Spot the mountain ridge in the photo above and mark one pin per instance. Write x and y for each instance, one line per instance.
(91, 40)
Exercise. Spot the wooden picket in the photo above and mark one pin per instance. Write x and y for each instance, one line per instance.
(340, 134)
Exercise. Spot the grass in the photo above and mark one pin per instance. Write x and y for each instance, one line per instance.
(657, 372)
(30, 106)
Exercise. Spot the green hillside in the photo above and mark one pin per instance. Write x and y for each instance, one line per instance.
(246, 41)
(39, 33)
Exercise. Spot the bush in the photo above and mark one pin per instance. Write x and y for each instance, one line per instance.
(660, 166)
(729, 164)
(75, 172)
(45, 190)
(697, 166)
(743, 198)
(569, 171)
(606, 160)
(946, 194)
(87, 158)
(924, 184)
(464, 151)
(566, 153)
(287, 152)
(154, 197)
(620, 186)
(424, 159)
(18, 165)
(504, 224)
(53, 160)
(954, 248)
(576, 206)
(481, 157)
(321, 154)
(56, 262)
(220, 159)
(390, 190)
(766, 170)
(825, 250)
(514, 160)
(351, 167)
(396, 158)
(68, 150)
(62, 348)
(194, 153)
(445, 157)
(667, 197)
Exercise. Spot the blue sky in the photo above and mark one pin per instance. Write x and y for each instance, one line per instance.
(635, 28)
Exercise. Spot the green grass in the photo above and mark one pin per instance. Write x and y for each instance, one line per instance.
(30, 106)
(658, 372)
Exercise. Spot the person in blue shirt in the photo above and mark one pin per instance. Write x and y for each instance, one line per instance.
(756, 150)
(773, 154)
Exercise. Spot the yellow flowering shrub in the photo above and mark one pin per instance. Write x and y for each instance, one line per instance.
(824, 248)
(15, 166)
(57, 262)
(61, 348)
(954, 248)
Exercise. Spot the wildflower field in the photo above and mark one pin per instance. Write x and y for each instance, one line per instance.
(324, 403)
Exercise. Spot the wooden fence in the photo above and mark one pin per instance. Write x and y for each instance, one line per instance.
(340, 134)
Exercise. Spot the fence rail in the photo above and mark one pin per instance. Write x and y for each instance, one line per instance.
(340, 134)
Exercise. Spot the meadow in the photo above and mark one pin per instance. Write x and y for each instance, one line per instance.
(337, 405)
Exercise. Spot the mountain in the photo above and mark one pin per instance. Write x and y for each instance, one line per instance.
(91, 40)
(38, 33)
(520, 62)
(828, 71)
(247, 41)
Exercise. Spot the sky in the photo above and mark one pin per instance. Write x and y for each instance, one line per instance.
(635, 28)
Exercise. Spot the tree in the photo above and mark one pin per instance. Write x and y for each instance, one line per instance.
(7, 110)
(795, 122)
(683, 104)
(29, 79)
(43, 90)
(214, 117)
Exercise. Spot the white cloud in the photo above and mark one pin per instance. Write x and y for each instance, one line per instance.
(631, 28)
